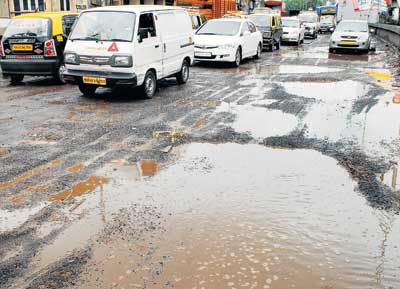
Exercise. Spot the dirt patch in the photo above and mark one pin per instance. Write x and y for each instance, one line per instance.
(365, 103)
(61, 274)
(4, 151)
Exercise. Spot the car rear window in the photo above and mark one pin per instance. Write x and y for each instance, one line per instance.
(261, 20)
(28, 27)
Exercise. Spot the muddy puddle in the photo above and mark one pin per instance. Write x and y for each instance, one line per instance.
(282, 69)
(369, 121)
(12, 219)
(259, 122)
(238, 216)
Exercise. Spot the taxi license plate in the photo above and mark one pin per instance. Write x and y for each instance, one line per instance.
(203, 54)
(347, 43)
(22, 47)
(94, 80)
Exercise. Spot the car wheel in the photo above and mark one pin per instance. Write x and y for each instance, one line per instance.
(238, 57)
(87, 90)
(149, 85)
(258, 54)
(331, 50)
(59, 76)
(16, 78)
(183, 75)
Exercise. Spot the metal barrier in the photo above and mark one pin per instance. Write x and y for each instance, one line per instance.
(390, 33)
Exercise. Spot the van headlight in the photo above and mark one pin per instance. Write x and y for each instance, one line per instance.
(121, 61)
(71, 58)
(227, 46)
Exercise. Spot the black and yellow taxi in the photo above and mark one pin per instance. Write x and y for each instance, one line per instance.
(197, 17)
(270, 25)
(33, 44)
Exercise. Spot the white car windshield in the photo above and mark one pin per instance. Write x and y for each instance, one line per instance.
(104, 26)
(352, 27)
(229, 28)
(308, 18)
(290, 23)
(260, 20)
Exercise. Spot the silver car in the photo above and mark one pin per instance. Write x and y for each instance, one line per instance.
(352, 35)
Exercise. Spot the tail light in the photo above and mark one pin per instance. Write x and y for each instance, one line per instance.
(1, 48)
(50, 48)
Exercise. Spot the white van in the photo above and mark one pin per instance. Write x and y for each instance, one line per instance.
(129, 46)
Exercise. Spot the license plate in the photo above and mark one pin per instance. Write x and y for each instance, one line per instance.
(94, 80)
(22, 47)
(203, 54)
(347, 43)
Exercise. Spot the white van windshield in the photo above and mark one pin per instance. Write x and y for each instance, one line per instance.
(104, 26)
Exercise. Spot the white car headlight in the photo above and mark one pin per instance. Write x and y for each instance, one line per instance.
(335, 38)
(71, 58)
(227, 46)
(121, 61)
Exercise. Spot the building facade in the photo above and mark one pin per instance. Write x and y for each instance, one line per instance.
(10, 8)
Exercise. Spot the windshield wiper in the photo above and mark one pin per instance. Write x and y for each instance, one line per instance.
(115, 39)
(22, 34)
(207, 33)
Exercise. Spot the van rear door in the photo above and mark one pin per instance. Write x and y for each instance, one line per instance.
(176, 37)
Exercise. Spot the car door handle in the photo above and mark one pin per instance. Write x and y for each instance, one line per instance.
(165, 47)
(157, 46)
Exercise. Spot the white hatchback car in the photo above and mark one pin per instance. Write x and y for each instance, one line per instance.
(227, 40)
(293, 30)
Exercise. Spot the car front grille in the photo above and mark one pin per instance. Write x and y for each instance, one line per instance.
(206, 46)
(99, 60)
(349, 37)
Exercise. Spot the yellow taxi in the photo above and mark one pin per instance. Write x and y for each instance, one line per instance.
(33, 44)
(198, 18)
(235, 14)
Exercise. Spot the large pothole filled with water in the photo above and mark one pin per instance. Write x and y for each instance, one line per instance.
(247, 216)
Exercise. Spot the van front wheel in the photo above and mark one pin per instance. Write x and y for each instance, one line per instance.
(183, 75)
(87, 90)
(149, 85)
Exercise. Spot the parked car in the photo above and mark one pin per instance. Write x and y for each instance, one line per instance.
(351, 35)
(327, 23)
(293, 30)
(311, 24)
(197, 18)
(129, 46)
(227, 40)
(4, 21)
(33, 44)
(270, 26)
